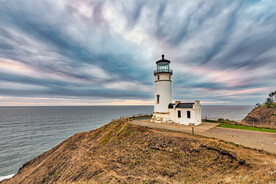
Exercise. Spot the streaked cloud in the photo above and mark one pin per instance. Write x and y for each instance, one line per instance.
(84, 51)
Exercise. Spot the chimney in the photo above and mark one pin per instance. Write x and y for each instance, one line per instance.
(197, 103)
(176, 103)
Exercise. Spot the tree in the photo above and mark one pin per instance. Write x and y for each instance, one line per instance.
(271, 96)
(268, 102)
(258, 105)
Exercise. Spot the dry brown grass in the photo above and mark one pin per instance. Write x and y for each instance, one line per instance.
(124, 153)
(262, 117)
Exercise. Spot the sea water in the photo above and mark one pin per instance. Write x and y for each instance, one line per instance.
(26, 132)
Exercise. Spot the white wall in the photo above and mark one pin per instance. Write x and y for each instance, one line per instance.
(172, 114)
(164, 90)
(184, 119)
(162, 76)
(197, 107)
(195, 115)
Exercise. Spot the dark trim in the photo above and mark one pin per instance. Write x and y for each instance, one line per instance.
(165, 60)
(162, 80)
(157, 72)
(185, 105)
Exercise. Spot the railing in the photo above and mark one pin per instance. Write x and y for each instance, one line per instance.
(163, 71)
(133, 116)
(208, 118)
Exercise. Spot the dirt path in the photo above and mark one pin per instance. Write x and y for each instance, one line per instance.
(253, 139)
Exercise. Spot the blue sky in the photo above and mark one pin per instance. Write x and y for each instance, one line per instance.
(81, 52)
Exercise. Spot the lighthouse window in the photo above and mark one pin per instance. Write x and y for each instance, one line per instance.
(157, 98)
(188, 114)
(179, 114)
(158, 77)
(163, 67)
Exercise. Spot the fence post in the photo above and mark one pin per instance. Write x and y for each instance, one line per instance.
(262, 146)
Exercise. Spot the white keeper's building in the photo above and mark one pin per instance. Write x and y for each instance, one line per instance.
(164, 110)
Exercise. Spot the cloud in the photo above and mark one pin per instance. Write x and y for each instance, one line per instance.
(107, 49)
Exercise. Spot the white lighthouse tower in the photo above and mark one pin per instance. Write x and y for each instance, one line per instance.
(163, 91)
(186, 113)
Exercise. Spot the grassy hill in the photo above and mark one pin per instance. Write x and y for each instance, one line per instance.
(262, 116)
(120, 152)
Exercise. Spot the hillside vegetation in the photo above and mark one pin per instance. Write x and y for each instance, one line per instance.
(261, 116)
(120, 152)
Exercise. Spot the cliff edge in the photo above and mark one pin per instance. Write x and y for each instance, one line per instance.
(261, 117)
(121, 152)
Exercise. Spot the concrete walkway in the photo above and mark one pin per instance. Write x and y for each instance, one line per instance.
(253, 139)
(176, 127)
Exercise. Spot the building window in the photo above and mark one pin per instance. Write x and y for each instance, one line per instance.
(188, 114)
(158, 77)
(179, 114)
(157, 98)
(169, 77)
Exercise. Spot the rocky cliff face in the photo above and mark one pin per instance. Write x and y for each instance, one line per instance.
(261, 117)
(121, 152)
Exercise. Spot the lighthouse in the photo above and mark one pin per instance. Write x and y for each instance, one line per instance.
(163, 90)
(186, 113)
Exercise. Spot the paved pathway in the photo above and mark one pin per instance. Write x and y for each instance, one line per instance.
(252, 139)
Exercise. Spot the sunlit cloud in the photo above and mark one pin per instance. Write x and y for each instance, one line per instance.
(247, 91)
(215, 102)
(10, 66)
(84, 51)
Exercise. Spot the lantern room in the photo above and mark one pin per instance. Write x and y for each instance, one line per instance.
(163, 66)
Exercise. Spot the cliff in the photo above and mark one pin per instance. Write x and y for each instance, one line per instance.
(120, 152)
(261, 117)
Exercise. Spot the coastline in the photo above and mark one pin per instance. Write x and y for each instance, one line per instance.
(33, 130)
(136, 154)
(6, 177)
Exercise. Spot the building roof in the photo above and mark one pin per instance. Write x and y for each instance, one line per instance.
(163, 60)
(181, 105)
(185, 105)
(170, 106)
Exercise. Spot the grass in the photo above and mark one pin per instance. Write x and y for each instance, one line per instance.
(246, 128)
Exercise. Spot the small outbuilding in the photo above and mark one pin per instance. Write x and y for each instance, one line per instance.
(185, 113)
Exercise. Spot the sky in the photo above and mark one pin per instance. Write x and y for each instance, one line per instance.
(103, 52)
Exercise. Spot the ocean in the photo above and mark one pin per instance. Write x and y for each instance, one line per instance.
(26, 132)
